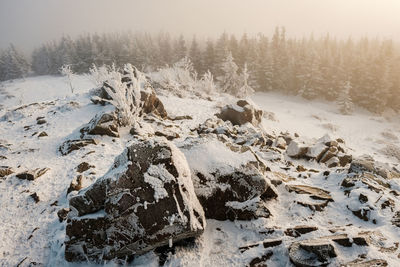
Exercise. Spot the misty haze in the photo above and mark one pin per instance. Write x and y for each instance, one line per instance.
(200, 133)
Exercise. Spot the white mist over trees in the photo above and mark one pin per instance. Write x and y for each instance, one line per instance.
(310, 67)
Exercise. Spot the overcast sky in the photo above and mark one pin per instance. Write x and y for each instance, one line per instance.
(28, 23)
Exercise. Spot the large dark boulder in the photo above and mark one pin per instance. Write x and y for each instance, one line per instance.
(229, 185)
(240, 113)
(146, 200)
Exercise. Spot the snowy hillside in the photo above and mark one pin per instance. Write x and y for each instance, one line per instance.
(355, 220)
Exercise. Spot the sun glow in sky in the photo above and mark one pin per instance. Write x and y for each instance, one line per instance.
(31, 22)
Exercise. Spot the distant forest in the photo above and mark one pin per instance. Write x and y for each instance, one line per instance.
(365, 71)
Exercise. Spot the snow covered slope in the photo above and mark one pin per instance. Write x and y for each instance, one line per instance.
(31, 233)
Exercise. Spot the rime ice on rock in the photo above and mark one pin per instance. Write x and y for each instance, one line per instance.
(145, 200)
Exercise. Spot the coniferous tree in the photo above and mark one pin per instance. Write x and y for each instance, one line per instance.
(229, 80)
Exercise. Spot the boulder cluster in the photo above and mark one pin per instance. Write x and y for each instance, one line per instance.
(158, 193)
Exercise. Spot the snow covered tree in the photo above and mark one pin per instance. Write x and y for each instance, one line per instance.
(229, 80)
(14, 64)
(66, 71)
(180, 49)
(195, 56)
(344, 100)
(209, 57)
(245, 90)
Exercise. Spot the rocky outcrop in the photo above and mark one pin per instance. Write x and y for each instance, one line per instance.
(229, 187)
(240, 113)
(325, 150)
(146, 200)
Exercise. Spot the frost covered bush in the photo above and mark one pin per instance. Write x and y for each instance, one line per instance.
(179, 78)
(66, 71)
(124, 90)
(98, 75)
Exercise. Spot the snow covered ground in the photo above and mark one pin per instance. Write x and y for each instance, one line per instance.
(31, 233)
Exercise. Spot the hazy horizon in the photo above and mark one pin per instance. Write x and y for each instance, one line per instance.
(28, 23)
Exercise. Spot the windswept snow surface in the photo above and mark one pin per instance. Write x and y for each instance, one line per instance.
(31, 233)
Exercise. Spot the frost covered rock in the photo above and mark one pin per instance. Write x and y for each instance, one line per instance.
(72, 145)
(102, 124)
(5, 171)
(312, 252)
(240, 113)
(152, 104)
(228, 184)
(32, 174)
(146, 200)
(296, 149)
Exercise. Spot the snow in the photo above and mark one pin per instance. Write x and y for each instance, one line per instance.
(21, 217)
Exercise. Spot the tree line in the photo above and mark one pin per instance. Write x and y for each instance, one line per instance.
(365, 72)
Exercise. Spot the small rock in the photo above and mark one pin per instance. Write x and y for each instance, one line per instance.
(84, 166)
(280, 143)
(296, 150)
(32, 174)
(5, 171)
(42, 134)
(41, 121)
(366, 263)
(396, 219)
(312, 252)
(72, 145)
(363, 198)
(332, 162)
(314, 192)
(240, 113)
(260, 261)
(63, 214)
(300, 230)
(35, 197)
(76, 184)
(300, 168)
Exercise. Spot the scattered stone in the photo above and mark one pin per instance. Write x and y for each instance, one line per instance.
(240, 113)
(396, 219)
(42, 134)
(300, 230)
(63, 214)
(41, 121)
(314, 192)
(260, 261)
(247, 210)
(296, 149)
(178, 118)
(366, 263)
(152, 104)
(76, 184)
(280, 143)
(5, 171)
(312, 252)
(84, 166)
(363, 198)
(32, 174)
(332, 162)
(35, 197)
(300, 168)
(364, 213)
(146, 200)
(169, 136)
(102, 124)
(314, 206)
(72, 145)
